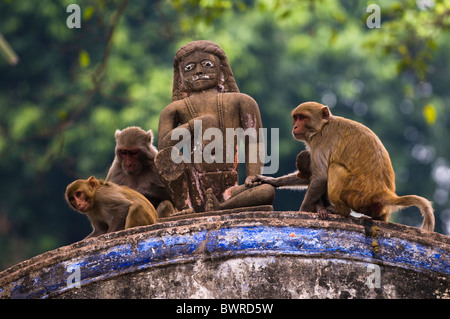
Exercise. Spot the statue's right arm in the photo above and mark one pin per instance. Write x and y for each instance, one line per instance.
(168, 122)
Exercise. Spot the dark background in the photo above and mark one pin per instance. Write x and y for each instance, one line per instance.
(72, 88)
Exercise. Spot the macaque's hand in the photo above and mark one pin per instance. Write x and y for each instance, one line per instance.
(260, 179)
(323, 213)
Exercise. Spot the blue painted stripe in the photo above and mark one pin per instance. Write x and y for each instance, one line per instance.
(234, 241)
(308, 242)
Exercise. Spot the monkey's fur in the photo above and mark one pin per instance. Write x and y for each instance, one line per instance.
(138, 171)
(351, 165)
(109, 207)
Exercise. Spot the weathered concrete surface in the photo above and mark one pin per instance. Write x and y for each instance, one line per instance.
(260, 254)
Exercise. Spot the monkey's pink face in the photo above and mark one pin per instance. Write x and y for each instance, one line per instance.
(201, 71)
(299, 126)
(80, 201)
(131, 161)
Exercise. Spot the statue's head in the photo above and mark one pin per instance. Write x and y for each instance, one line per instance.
(201, 65)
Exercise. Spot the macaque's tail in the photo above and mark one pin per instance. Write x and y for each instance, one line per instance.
(424, 205)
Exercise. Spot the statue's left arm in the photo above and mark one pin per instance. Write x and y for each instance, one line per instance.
(250, 118)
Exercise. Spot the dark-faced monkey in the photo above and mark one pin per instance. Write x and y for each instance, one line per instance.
(110, 207)
(134, 166)
(350, 165)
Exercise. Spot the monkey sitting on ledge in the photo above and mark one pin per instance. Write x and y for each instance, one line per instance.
(134, 166)
(109, 207)
(350, 165)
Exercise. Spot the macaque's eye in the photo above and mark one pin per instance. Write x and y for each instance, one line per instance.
(300, 117)
(78, 194)
(208, 63)
(189, 67)
(128, 152)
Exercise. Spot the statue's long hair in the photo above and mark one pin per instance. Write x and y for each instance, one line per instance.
(227, 82)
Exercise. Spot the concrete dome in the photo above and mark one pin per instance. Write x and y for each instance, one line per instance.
(251, 254)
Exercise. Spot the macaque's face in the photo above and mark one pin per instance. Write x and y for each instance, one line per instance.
(200, 71)
(80, 200)
(131, 160)
(299, 126)
(309, 118)
(80, 194)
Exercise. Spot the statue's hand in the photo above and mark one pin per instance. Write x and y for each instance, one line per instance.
(208, 121)
(252, 181)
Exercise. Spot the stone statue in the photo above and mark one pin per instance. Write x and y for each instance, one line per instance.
(205, 99)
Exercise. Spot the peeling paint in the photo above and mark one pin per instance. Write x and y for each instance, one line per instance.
(244, 246)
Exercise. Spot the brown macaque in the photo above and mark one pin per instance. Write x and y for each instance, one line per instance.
(350, 165)
(303, 163)
(134, 166)
(109, 207)
(298, 180)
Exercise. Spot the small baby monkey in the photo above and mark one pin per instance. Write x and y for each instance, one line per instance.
(303, 164)
(109, 207)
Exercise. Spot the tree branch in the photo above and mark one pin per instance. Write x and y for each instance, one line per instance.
(97, 78)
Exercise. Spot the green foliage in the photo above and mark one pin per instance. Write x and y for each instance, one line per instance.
(72, 88)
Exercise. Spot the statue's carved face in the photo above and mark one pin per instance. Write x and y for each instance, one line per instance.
(200, 71)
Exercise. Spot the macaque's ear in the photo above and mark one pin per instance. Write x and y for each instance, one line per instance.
(150, 136)
(326, 114)
(93, 182)
(117, 133)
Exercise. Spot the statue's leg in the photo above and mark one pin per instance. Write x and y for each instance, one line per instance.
(198, 184)
(185, 182)
(241, 196)
(174, 178)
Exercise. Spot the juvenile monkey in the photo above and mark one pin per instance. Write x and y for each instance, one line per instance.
(299, 180)
(303, 163)
(134, 166)
(350, 164)
(109, 207)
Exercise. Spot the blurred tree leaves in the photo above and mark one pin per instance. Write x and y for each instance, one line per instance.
(84, 59)
(411, 31)
(430, 114)
(7, 52)
(60, 105)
